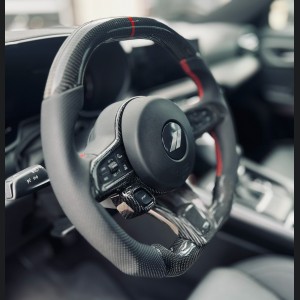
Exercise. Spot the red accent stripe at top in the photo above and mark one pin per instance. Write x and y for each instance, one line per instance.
(132, 26)
(193, 76)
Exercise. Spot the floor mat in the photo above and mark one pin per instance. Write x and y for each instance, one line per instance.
(87, 281)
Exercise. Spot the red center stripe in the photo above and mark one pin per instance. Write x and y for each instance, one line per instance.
(198, 83)
(218, 155)
(193, 76)
(132, 26)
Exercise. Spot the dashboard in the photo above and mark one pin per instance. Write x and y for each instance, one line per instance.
(114, 72)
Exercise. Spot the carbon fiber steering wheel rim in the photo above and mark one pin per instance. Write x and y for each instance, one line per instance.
(72, 175)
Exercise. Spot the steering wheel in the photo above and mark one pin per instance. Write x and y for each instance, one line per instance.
(139, 153)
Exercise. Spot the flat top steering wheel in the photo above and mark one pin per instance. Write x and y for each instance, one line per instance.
(139, 153)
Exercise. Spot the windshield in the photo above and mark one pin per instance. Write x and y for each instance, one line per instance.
(34, 14)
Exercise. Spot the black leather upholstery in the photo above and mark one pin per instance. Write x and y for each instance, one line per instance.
(264, 278)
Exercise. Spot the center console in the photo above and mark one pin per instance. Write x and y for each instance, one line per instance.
(263, 209)
(265, 192)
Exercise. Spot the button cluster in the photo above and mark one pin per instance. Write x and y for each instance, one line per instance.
(113, 167)
(200, 120)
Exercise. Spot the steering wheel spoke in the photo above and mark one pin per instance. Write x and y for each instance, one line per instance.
(186, 215)
(182, 210)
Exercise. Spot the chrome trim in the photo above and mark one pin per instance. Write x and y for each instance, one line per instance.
(67, 230)
(107, 203)
(124, 208)
(164, 220)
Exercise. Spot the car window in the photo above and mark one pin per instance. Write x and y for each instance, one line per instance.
(34, 14)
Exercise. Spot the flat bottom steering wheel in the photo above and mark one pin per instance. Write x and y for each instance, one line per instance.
(139, 153)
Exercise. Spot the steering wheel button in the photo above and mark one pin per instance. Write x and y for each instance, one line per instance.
(105, 177)
(143, 197)
(125, 167)
(116, 174)
(113, 166)
(103, 170)
(120, 156)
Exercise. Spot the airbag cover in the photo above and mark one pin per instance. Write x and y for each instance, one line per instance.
(159, 142)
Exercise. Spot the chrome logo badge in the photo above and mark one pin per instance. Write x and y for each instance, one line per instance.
(174, 140)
